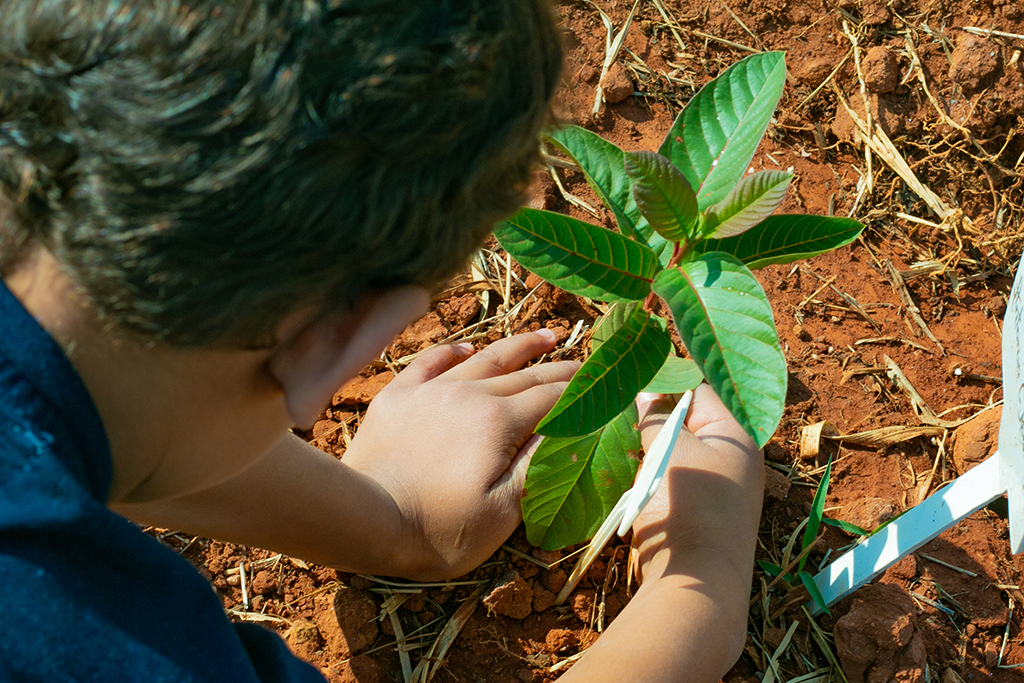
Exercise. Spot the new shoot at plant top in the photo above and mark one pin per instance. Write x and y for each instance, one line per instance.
(691, 226)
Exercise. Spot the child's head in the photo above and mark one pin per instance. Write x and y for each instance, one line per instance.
(203, 169)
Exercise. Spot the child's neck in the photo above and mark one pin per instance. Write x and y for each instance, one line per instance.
(174, 417)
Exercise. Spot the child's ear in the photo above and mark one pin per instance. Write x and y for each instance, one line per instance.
(314, 362)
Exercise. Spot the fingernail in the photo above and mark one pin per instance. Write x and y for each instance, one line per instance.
(465, 346)
(645, 399)
(546, 333)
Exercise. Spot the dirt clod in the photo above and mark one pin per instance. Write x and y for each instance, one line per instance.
(812, 71)
(351, 626)
(583, 607)
(555, 579)
(562, 639)
(616, 84)
(976, 440)
(263, 582)
(991, 654)
(776, 484)
(542, 599)
(881, 72)
(876, 640)
(974, 61)
(361, 390)
(874, 12)
(511, 597)
(303, 638)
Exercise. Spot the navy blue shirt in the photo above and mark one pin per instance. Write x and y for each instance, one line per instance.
(84, 594)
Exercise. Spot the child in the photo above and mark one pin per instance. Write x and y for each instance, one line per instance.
(211, 216)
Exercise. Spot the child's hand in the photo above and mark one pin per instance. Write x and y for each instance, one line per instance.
(710, 499)
(448, 440)
(696, 540)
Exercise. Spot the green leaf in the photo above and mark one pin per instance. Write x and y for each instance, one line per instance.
(817, 512)
(677, 376)
(579, 257)
(663, 196)
(773, 570)
(812, 588)
(785, 238)
(574, 482)
(848, 527)
(601, 163)
(725, 321)
(610, 378)
(715, 136)
(751, 201)
(617, 315)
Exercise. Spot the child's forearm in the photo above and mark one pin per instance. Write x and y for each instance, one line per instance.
(296, 500)
(686, 626)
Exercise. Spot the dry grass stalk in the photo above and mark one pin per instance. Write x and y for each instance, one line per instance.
(432, 661)
(723, 41)
(757, 41)
(880, 143)
(989, 33)
(671, 22)
(869, 175)
(921, 409)
(613, 44)
(900, 287)
(772, 671)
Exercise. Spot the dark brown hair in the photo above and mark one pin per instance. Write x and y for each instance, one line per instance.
(202, 169)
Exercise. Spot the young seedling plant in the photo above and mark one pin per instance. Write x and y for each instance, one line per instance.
(813, 524)
(691, 226)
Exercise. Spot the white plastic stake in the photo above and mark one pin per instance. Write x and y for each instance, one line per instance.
(1003, 472)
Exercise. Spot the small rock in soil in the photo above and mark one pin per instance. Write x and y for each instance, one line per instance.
(460, 310)
(976, 440)
(874, 12)
(542, 192)
(877, 640)
(776, 453)
(881, 72)
(347, 621)
(583, 607)
(555, 579)
(616, 84)
(542, 599)
(264, 582)
(844, 128)
(428, 330)
(303, 639)
(561, 639)
(812, 71)
(362, 390)
(776, 484)
(511, 597)
(973, 61)
(773, 638)
(991, 654)
(868, 513)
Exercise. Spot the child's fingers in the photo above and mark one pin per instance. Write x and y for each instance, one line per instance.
(511, 482)
(433, 363)
(527, 378)
(529, 406)
(505, 356)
